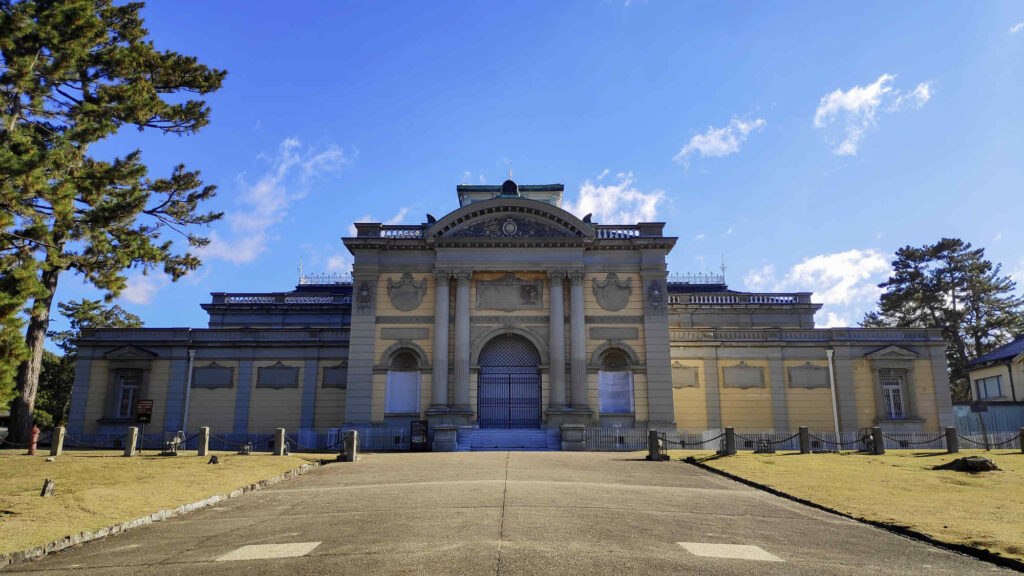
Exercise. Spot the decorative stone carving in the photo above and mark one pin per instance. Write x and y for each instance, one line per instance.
(363, 294)
(684, 376)
(406, 293)
(336, 376)
(743, 376)
(509, 227)
(442, 274)
(656, 295)
(575, 276)
(509, 293)
(280, 375)
(808, 376)
(613, 294)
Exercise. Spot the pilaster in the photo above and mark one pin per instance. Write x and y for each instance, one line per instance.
(462, 280)
(556, 340)
(577, 341)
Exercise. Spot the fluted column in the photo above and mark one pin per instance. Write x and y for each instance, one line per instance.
(439, 384)
(577, 342)
(556, 340)
(462, 278)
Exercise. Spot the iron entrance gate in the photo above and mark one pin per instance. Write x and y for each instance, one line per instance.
(508, 385)
(509, 400)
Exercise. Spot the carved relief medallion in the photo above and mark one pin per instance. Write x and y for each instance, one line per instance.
(613, 294)
(406, 293)
(655, 295)
(509, 293)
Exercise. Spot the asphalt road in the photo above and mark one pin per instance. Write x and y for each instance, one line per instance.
(507, 513)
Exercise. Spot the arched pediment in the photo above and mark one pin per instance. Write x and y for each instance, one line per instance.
(510, 218)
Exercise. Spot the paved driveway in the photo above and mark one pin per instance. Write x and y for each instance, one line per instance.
(507, 513)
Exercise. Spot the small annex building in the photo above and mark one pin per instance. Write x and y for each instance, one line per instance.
(510, 313)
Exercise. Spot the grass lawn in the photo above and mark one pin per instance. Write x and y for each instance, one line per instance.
(99, 488)
(900, 488)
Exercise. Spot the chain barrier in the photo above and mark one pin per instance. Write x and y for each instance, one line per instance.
(6, 442)
(227, 442)
(909, 443)
(76, 443)
(989, 444)
(684, 444)
(768, 442)
(299, 446)
(862, 439)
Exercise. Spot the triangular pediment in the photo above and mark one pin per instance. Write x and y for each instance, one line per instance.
(510, 218)
(130, 353)
(892, 353)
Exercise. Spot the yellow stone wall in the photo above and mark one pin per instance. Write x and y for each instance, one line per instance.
(329, 410)
(384, 308)
(811, 407)
(271, 408)
(156, 390)
(746, 409)
(214, 407)
(99, 378)
(690, 404)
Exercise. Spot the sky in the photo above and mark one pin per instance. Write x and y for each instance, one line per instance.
(800, 142)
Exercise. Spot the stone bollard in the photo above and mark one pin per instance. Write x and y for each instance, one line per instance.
(653, 446)
(805, 440)
(878, 443)
(204, 441)
(952, 441)
(279, 442)
(57, 441)
(130, 440)
(730, 441)
(1020, 438)
(350, 446)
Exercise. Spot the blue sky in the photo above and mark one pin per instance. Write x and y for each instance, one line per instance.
(805, 142)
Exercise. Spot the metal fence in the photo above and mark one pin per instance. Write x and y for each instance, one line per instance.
(997, 417)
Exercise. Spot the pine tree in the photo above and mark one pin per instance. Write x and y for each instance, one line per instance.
(951, 285)
(75, 72)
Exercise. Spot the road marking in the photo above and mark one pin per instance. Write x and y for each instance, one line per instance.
(738, 551)
(264, 551)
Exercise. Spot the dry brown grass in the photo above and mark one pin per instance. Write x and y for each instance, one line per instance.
(900, 488)
(97, 489)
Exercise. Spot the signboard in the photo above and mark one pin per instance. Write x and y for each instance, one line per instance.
(143, 411)
(418, 435)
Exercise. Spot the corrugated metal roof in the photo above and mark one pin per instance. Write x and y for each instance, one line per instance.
(1002, 353)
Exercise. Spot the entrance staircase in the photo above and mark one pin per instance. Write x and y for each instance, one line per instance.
(504, 439)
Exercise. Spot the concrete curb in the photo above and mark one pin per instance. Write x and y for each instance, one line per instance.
(67, 542)
(979, 553)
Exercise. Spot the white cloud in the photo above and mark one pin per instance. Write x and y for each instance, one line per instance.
(997, 237)
(845, 282)
(718, 142)
(142, 288)
(266, 202)
(729, 231)
(620, 203)
(338, 263)
(859, 107)
(396, 219)
(603, 174)
(699, 236)
(483, 179)
(1017, 27)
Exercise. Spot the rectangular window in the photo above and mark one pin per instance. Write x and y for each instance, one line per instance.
(402, 395)
(615, 391)
(128, 382)
(335, 377)
(277, 376)
(991, 387)
(891, 388)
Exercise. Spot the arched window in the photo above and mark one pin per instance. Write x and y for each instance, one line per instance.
(615, 383)
(402, 393)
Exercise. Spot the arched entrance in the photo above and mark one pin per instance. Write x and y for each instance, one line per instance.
(508, 386)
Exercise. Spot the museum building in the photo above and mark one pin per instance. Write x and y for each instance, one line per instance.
(510, 314)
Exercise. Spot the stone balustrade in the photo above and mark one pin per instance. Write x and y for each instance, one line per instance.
(734, 298)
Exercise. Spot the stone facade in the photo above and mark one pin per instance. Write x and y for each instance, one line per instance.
(511, 312)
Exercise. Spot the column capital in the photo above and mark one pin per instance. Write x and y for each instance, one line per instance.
(556, 274)
(462, 276)
(575, 276)
(442, 273)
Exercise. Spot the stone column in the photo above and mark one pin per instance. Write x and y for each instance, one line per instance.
(131, 438)
(279, 442)
(556, 341)
(577, 341)
(204, 441)
(462, 279)
(439, 384)
(57, 441)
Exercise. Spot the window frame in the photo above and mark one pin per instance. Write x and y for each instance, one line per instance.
(981, 384)
(123, 385)
(602, 396)
(391, 381)
(893, 397)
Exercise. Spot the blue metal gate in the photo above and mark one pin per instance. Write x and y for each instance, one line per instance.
(508, 386)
